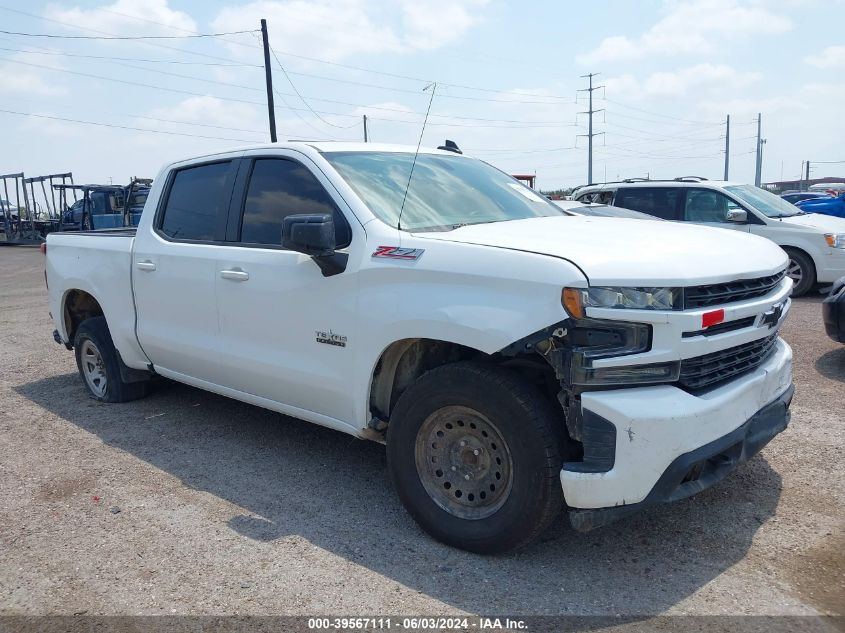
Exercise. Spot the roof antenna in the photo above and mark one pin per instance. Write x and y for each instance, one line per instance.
(433, 87)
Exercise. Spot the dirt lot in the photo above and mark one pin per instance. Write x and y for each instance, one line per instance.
(190, 503)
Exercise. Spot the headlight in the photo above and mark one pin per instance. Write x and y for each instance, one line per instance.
(627, 375)
(575, 300)
(835, 240)
(593, 339)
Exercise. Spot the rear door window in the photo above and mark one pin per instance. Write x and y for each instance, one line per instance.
(661, 202)
(197, 201)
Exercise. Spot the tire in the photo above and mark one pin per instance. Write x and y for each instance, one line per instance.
(801, 270)
(500, 489)
(99, 364)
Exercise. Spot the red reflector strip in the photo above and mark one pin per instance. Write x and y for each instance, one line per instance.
(712, 318)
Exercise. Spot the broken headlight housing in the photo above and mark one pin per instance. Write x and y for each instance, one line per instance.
(596, 339)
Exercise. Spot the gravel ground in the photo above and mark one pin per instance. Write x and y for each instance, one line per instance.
(188, 503)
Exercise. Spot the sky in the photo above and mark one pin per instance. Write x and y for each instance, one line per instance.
(507, 83)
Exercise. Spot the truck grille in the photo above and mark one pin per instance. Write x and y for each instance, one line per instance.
(718, 294)
(710, 369)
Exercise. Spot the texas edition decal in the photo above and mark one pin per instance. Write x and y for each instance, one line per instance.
(330, 338)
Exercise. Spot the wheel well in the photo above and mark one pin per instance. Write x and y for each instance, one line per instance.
(402, 362)
(79, 305)
(802, 252)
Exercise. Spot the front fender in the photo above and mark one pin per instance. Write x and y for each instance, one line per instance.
(479, 297)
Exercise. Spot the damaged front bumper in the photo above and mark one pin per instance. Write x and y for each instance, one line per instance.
(649, 445)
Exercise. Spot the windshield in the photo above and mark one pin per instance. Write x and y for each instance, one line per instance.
(445, 192)
(767, 203)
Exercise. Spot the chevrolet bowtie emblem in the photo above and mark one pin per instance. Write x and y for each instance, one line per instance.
(772, 317)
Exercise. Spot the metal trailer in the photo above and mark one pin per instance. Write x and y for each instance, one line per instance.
(89, 221)
(30, 222)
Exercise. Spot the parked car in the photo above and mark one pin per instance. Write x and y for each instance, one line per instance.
(828, 187)
(833, 312)
(512, 357)
(796, 196)
(827, 205)
(815, 243)
(601, 210)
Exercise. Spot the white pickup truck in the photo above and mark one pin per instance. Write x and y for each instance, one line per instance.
(512, 357)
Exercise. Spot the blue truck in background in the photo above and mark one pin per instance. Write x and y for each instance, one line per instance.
(828, 205)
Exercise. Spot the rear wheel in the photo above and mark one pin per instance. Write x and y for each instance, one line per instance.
(99, 364)
(801, 270)
(475, 454)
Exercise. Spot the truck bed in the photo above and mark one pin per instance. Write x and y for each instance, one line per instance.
(100, 264)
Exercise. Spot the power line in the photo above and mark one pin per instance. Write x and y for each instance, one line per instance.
(658, 114)
(521, 124)
(301, 98)
(123, 59)
(123, 37)
(419, 79)
(147, 42)
(125, 127)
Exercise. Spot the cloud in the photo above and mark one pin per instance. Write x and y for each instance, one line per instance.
(831, 57)
(205, 114)
(123, 17)
(21, 79)
(431, 24)
(700, 77)
(694, 26)
(338, 29)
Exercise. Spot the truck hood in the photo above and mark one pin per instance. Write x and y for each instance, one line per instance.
(617, 251)
(822, 223)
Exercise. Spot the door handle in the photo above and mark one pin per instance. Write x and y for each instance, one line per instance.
(147, 265)
(235, 274)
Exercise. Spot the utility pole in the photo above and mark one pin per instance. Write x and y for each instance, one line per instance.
(760, 141)
(590, 134)
(808, 175)
(268, 75)
(366, 140)
(727, 145)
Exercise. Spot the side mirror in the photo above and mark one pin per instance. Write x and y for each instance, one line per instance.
(314, 236)
(737, 215)
(309, 234)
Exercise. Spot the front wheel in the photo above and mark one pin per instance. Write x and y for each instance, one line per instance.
(802, 272)
(475, 455)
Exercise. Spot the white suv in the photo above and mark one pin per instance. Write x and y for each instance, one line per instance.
(815, 243)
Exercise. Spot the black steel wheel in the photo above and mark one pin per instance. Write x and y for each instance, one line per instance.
(474, 452)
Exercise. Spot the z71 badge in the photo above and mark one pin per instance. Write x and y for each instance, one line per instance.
(395, 252)
(330, 338)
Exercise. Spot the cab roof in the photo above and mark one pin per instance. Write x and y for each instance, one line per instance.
(321, 147)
